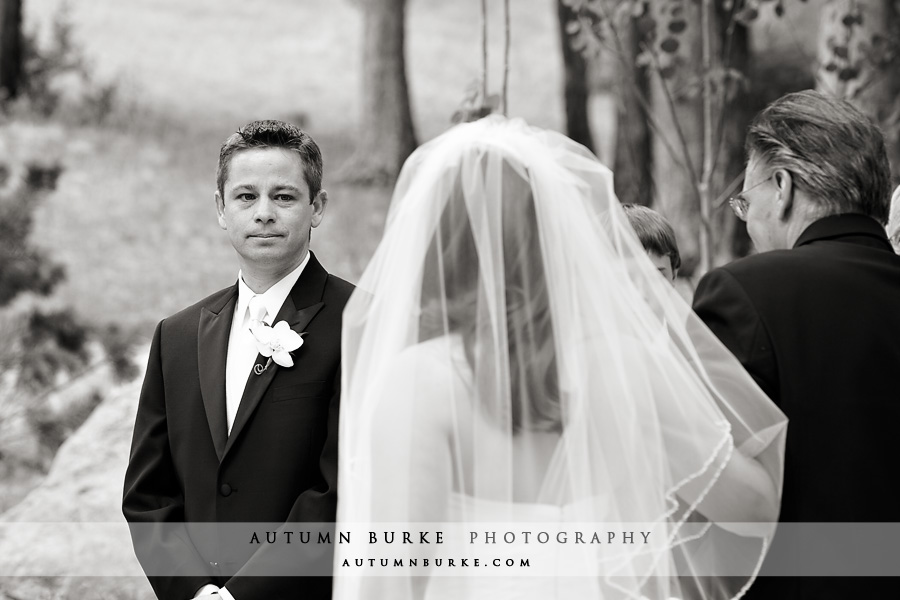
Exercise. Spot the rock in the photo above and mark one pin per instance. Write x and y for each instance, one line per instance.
(32, 428)
(72, 522)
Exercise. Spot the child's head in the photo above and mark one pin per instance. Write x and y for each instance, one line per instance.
(657, 237)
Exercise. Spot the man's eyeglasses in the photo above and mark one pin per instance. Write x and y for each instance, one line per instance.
(739, 204)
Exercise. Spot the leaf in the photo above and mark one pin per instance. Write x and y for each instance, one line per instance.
(779, 9)
(848, 20)
(831, 67)
(647, 28)
(669, 45)
(594, 10)
(638, 9)
(692, 88)
(678, 26)
(848, 73)
(667, 72)
(727, 5)
(746, 15)
(578, 43)
(573, 27)
(735, 82)
(841, 51)
(644, 59)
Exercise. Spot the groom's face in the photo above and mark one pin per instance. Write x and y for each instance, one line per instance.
(266, 210)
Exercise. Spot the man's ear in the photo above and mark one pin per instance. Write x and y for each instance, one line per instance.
(220, 210)
(784, 183)
(319, 203)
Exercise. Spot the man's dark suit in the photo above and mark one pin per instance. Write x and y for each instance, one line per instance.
(278, 465)
(818, 327)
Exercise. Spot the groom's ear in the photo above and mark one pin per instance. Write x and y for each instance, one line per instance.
(318, 205)
(220, 210)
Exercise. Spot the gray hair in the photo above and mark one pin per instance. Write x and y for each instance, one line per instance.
(832, 150)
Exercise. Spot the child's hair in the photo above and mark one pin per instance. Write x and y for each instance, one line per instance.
(654, 232)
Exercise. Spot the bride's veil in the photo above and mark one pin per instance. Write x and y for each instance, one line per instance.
(511, 354)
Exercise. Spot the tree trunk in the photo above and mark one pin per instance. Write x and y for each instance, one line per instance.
(858, 60)
(678, 139)
(10, 48)
(576, 87)
(632, 167)
(386, 135)
(677, 142)
(731, 239)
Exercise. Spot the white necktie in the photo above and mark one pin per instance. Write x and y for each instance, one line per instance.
(242, 353)
(257, 311)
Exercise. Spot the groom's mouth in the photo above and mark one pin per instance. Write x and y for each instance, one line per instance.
(265, 236)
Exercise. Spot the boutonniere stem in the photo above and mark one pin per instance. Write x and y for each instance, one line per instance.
(259, 369)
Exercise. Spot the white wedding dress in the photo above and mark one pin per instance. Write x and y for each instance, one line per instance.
(512, 359)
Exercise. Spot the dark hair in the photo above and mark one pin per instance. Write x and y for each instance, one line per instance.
(453, 293)
(654, 232)
(273, 134)
(834, 151)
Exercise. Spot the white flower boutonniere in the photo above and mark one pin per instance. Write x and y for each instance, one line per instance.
(276, 343)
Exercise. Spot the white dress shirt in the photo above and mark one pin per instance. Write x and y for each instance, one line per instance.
(242, 353)
(242, 350)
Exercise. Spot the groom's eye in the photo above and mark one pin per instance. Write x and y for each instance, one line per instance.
(246, 197)
(284, 197)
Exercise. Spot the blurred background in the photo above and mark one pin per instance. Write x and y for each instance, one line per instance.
(112, 113)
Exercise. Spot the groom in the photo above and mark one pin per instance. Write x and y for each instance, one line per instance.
(223, 433)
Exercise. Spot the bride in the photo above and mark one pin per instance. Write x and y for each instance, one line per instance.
(516, 359)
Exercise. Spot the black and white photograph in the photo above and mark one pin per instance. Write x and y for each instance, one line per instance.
(449, 300)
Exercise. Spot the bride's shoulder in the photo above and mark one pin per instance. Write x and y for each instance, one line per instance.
(428, 372)
(441, 356)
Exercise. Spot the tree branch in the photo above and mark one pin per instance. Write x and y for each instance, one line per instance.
(706, 9)
(692, 172)
(506, 32)
(484, 52)
(619, 52)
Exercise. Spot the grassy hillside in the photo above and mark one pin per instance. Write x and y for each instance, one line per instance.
(133, 218)
(234, 59)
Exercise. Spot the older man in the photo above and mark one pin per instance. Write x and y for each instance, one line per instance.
(815, 319)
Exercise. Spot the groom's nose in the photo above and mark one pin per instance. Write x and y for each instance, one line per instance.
(265, 210)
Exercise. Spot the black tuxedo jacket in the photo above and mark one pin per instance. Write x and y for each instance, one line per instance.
(818, 327)
(279, 465)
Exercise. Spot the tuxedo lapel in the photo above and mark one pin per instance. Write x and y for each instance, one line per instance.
(212, 352)
(306, 294)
